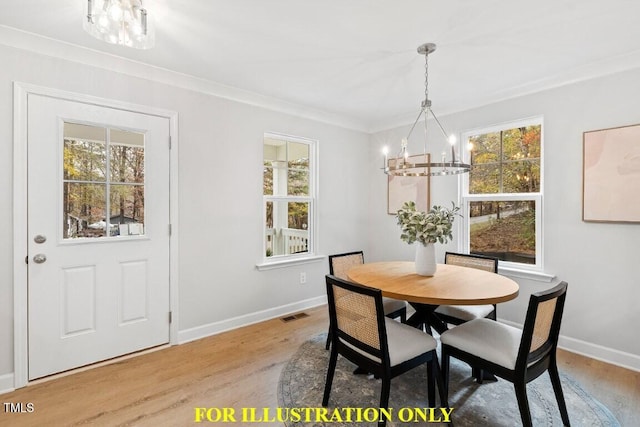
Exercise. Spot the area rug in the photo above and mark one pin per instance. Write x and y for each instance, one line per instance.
(302, 380)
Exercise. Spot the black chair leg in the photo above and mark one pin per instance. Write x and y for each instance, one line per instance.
(444, 399)
(328, 344)
(557, 389)
(431, 384)
(482, 375)
(523, 403)
(333, 359)
(384, 398)
(445, 377)
(477, 374)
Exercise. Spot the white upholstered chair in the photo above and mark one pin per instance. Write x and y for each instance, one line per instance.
(458, 314)
(364, 335)
(339, 265)
(518, 356)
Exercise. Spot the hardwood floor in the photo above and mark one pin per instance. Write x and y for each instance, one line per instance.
(236, 369)
(617, 388)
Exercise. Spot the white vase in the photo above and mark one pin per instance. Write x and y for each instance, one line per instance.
(426, 259)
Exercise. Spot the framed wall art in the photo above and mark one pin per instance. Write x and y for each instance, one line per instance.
(402, 189)
(611, 175)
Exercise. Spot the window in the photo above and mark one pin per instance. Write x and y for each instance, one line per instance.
(103, 182)
(502, 194)
(289, 196)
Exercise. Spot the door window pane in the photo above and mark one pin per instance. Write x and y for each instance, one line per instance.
(84, 208)
(126, 151)
(84, 152)
(127, 209)
(97, 203)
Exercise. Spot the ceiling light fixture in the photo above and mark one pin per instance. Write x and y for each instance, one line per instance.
(420, 164)
(123, 22)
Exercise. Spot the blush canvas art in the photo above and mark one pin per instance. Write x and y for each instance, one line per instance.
(611, 175)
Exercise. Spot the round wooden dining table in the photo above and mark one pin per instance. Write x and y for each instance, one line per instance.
(450, 285)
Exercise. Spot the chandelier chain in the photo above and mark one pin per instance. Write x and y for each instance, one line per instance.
(424, 164)
(426, 78)
(425, 106)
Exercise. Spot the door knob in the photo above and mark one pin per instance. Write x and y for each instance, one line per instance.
(40, 238)
(39, 258)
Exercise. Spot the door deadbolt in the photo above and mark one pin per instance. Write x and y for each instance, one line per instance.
(39, 258)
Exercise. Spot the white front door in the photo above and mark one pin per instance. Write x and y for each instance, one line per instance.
(98, 230)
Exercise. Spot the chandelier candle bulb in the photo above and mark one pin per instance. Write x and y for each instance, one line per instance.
(385, 151)
(452, 141)
(426, 167)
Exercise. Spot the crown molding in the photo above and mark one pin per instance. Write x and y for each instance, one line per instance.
(47, 46)
(36, 43)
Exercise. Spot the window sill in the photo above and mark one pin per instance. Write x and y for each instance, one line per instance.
(526, 274)
(270, 265)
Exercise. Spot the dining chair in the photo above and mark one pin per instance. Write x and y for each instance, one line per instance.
(458, 314)
(365, 336)
(518, 356)
(339, 265)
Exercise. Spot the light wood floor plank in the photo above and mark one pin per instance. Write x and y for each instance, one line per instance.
(236, 369)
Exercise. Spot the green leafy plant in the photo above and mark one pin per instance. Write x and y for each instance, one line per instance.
(435, 226)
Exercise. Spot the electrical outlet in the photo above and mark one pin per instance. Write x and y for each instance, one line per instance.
(303, 278)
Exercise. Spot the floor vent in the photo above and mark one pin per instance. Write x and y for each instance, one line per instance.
(294, 317)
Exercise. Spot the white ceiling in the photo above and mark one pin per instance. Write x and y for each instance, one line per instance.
(357, 58)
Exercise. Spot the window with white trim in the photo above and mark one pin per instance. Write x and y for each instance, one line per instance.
(502, 194)
(289, 196)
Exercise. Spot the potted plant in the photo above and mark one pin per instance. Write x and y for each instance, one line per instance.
(426, 228)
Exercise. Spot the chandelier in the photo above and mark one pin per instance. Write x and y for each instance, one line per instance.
(421, 164)
(123, 22)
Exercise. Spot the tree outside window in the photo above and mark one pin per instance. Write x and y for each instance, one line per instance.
(103, 182)
(288, 194)
(503, 193)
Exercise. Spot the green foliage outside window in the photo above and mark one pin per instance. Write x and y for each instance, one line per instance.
(505, 162)
(288, 195)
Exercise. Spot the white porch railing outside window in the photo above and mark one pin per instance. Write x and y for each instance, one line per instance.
(286, 241)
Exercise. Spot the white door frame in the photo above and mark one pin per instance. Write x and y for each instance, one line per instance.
(20, 237)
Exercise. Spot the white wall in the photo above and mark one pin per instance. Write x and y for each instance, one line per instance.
(599, 261)
(220, 195)
(221, 202)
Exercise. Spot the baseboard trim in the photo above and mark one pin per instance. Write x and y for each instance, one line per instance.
(594, 351)
(6, 383)
(602, 353)
(247, 319)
